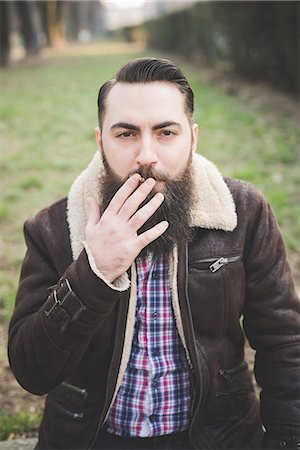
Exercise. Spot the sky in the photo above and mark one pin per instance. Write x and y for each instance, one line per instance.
(123, 4)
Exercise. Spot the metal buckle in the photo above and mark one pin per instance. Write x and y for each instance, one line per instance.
(56, 299)
(61, 302)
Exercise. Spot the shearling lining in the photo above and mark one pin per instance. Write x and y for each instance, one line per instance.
(214, 207)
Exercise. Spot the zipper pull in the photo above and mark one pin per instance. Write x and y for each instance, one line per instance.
(218, 264)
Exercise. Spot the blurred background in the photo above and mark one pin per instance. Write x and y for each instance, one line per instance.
(242, 60)
(260, 39)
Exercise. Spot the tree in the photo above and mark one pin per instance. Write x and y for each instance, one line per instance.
(24, 10)
(5, 25)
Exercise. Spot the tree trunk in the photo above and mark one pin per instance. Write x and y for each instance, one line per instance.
(56, 19)
(42, 8)
(73, 20)
(24, 12)
(5, 26)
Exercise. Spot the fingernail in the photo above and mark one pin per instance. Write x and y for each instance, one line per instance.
(135, 177)
(159, 196)
(150, 181)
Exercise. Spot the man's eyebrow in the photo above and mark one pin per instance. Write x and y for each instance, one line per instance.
(127, 126)
(167, 123)
(130, 126)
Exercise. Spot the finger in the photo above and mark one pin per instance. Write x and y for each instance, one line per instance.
(123, 193)
(133, 202)
(143, 214)
(93, 212)
(153, 233)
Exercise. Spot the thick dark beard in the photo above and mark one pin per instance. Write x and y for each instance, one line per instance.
(176, 207)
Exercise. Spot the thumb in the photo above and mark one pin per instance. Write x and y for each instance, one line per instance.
(93, 211)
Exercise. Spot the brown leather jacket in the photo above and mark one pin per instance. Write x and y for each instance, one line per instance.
(70, 332)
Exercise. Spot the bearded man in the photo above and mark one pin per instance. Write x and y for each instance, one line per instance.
(128, 313)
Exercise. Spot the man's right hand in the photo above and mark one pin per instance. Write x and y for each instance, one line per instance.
(112, 237)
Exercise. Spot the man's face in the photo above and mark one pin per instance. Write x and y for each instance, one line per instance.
(146, 130)
(146, 125)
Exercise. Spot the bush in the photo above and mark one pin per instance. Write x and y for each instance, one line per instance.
(17, 424)
(259, 39)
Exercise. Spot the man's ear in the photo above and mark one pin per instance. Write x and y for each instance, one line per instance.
(98, 139)
(195, 130)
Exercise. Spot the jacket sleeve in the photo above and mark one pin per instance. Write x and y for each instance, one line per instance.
(272, 325)
(55, 316)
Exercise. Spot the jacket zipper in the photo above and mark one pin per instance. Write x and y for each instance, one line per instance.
(73, 415)
(201, 377)
(77, 389)
(222, 262)
(217, 264)
(228, 373)
(108, 404)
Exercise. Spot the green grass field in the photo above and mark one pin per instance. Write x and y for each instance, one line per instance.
(48, 115)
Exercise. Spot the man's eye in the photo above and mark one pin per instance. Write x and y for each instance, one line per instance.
(168, 133)
(125, 134)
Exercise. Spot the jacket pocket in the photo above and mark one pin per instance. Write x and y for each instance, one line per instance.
(68, 400)
(232, 396)
(64, 411)
(214, 264)
(216, 292)
(232, 412)
(76, 389)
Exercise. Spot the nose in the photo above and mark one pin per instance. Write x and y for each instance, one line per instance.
(147, 155)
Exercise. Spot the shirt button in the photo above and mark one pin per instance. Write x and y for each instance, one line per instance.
(152, 418)
(154, 315)
(155, 275)
(155, 351)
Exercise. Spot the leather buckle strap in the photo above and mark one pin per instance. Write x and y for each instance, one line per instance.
(57, 301)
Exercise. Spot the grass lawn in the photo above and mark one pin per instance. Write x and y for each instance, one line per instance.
(48, 115)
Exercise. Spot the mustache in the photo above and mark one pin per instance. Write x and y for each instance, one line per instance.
(178, 193)
(149, 172)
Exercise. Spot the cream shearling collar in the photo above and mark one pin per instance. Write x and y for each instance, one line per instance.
(214, 206)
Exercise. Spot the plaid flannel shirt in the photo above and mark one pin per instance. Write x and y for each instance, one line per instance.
(154, 397)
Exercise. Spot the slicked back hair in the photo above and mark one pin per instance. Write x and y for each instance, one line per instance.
(148, 70)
